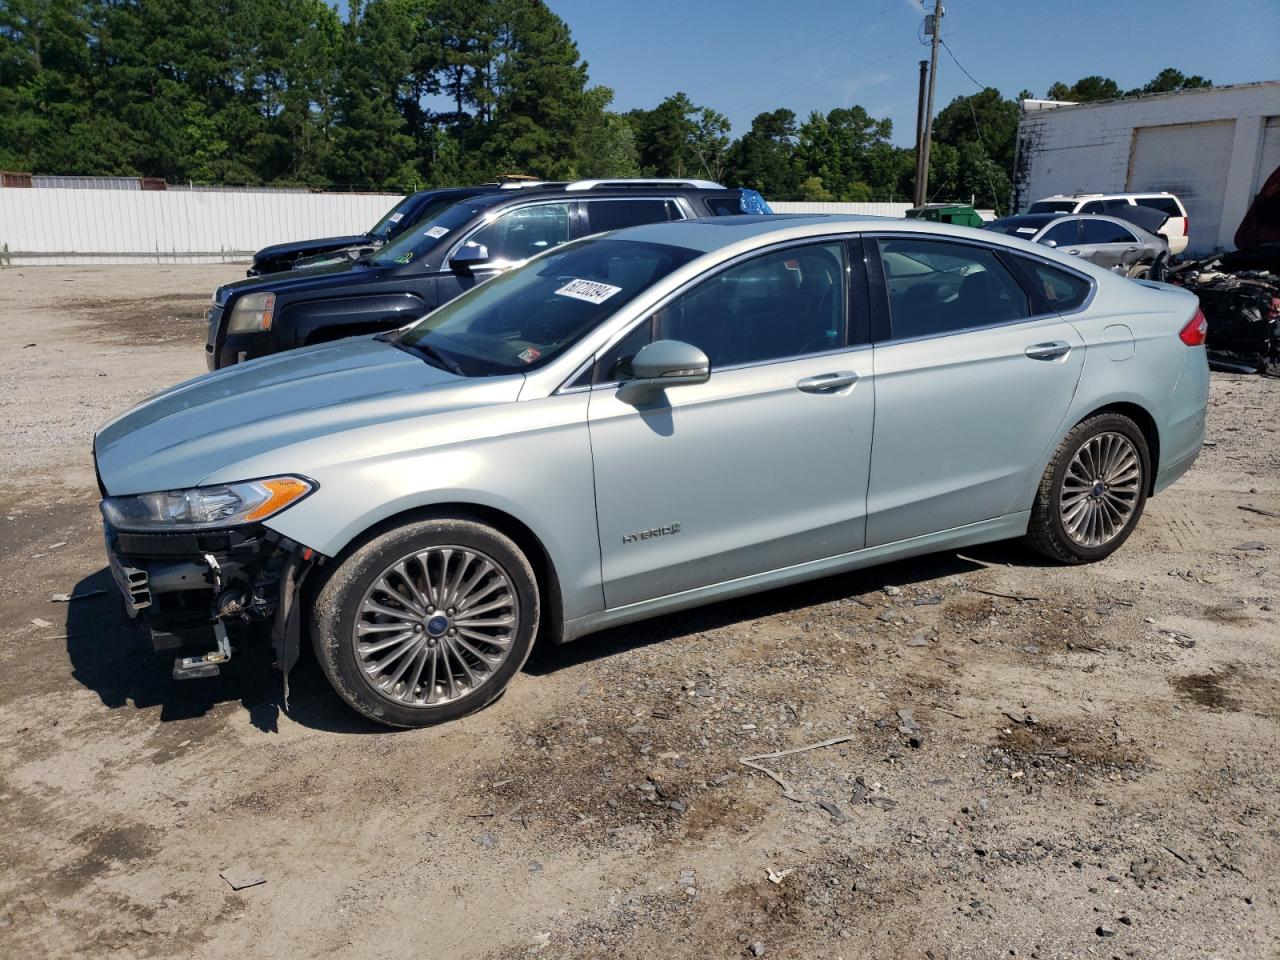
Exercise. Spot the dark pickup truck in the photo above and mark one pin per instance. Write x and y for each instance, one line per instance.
(460, 246)
(403, 216)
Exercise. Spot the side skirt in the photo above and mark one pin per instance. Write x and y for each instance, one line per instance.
(986, 531)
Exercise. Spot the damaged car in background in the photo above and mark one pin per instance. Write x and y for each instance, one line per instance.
(636, 423)
(1131, 247)
(1240, 291)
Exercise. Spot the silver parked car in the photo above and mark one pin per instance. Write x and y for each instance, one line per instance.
(1119, 245)
(640, 422)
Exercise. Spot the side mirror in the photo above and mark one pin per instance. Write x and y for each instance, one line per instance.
(1050, 243)
(668, 363)
(469, 255)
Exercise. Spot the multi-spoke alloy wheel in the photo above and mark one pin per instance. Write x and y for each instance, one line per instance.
(1101, 489)
(1093, 490)
(436, 625)
(426, 622)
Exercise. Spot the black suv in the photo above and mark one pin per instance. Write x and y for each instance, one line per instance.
(463, 244)
(406, 214)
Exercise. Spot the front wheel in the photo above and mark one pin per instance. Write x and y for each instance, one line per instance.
(1093, 491)
(427, 622)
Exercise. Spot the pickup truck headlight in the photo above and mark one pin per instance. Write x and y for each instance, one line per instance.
(203, 508)
(252, 313)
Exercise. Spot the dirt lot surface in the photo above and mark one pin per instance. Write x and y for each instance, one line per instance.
(1026, 760)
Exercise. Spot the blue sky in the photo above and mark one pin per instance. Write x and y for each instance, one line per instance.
(743, 57)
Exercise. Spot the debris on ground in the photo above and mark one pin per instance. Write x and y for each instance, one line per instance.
(241, 877)
(68, 597)
(1240, 291)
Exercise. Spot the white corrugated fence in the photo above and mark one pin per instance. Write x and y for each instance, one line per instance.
(99, 225)
(68, 225)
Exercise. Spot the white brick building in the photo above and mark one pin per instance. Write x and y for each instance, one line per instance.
(1214, 148)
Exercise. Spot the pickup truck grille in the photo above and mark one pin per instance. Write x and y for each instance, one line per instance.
(215, 318)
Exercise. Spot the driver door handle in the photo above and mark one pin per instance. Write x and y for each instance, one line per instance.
(1048, 351)
(828, 382)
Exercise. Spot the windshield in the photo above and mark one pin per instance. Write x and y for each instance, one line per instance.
(444, 218)
(528, 316)
(1018, 226)
(1052, 206)
(391, 220)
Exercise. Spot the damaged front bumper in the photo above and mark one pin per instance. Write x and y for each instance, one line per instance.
(205, 589)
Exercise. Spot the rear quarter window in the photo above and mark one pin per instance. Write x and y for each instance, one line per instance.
(1058, 290)
(724, 206)
(1166, 205)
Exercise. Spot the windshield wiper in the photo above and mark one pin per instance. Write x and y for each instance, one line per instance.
(430, 354)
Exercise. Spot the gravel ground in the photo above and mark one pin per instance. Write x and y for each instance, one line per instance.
(1024, 759)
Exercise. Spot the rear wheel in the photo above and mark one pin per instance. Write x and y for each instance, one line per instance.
(426, 622)
(1093, 491)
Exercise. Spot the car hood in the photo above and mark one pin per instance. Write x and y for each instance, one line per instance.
(301, 278)
(300, 247)
(181, 436)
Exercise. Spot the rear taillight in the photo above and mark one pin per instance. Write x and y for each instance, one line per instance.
(1194, 332)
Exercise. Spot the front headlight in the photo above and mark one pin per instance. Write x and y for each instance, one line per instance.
(252, 313)
(202, 508)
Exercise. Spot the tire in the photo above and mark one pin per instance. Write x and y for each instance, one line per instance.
(388, 588)
(1087, 529)
(1140, 271)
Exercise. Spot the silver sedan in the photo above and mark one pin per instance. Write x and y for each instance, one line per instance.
(1109, 242)
(642, 422)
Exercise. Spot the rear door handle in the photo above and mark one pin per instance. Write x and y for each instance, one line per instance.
(1074, 253)
(1048, 351)
(828, 382)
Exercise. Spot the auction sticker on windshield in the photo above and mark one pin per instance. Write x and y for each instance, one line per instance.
(588, 290)
(435, 233)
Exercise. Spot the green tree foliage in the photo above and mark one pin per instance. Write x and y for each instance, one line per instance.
(408, 93)
(1094, 88)
(606, 142)
(764, 157)
(677, 138)
(1168, 80)
(848, 153)
(983, 129)
(1085, 90)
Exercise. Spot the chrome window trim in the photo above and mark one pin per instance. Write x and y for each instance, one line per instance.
(995, 249)
(840, 238)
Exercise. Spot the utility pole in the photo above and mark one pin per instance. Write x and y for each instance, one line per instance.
(924, 79)
(922, 181)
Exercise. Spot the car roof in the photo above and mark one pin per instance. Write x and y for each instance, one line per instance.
(1122, 195)
(722, 238)
(1035, 219)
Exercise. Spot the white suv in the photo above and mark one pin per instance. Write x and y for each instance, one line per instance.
(1176, 229)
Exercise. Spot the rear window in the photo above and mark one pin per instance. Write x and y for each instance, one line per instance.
(1053, 206)
(1062, 290)
(1163, 204)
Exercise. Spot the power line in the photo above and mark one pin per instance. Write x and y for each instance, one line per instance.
(782, 56)
(976, 126)
(952, 55)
